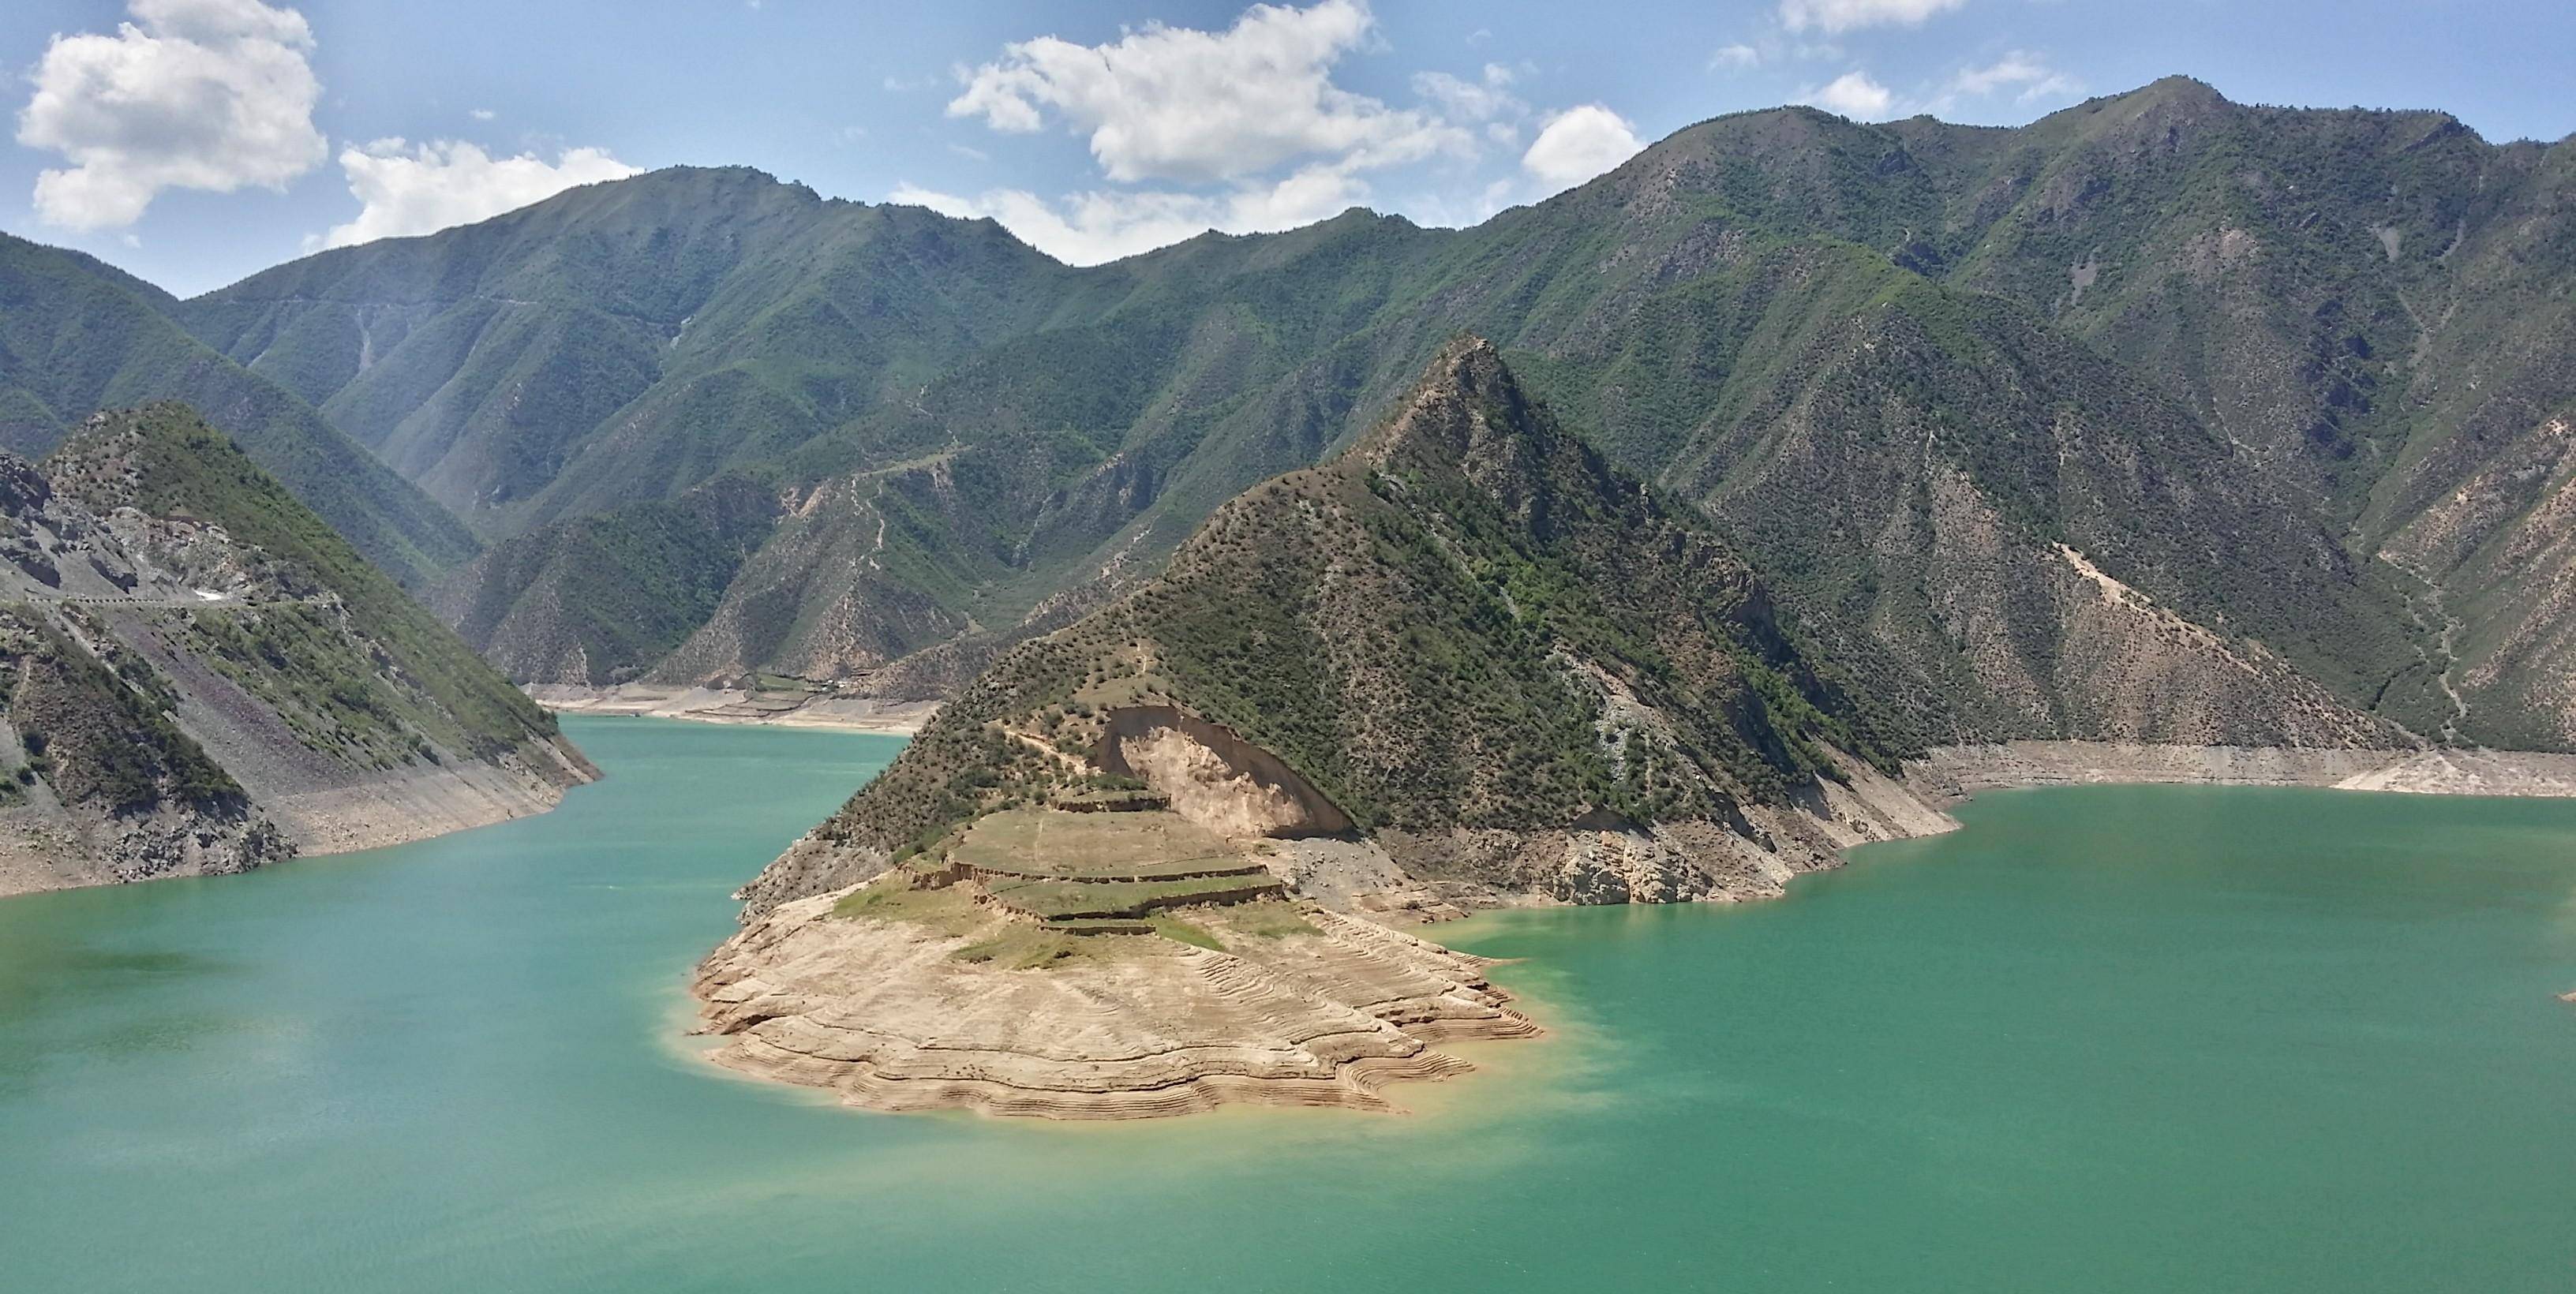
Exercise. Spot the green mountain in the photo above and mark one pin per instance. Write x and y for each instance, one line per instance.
(587, 600)
(201, 675)
(77, 336)
(624, 342)
(1981, 404)
(1467, 626)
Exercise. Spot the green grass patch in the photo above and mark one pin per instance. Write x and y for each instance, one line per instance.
(1023, 945)
(1075, 845)
(1070, 899)
(1182, 931)
(949, 911)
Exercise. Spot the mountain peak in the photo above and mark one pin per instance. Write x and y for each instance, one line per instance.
(1467, 405)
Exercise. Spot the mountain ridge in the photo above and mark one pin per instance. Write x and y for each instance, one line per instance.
(2367, 309)
(78, 336)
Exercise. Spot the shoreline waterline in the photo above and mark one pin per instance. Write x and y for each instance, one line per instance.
(2133, 1038)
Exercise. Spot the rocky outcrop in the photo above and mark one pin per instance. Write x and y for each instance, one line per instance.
(1211, 775)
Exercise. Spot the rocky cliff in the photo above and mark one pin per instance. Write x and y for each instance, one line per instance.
(201, 676)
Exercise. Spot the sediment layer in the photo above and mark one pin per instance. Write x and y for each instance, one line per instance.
(737, 705)
(1955, 772)
(886, 1015)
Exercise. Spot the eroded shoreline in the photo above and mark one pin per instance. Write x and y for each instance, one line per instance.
(737, 706)
(885, 1015)
(1948, 774)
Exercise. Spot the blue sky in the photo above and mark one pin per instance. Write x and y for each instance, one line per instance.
(195, 141)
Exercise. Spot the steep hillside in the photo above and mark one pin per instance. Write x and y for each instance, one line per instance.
(624, 342)
(1468, 637)
(598, 599)
(202, 676)
(77, 336)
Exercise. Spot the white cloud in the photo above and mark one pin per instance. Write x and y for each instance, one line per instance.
(482, 114)
(1854, 95)
(1465, 100)
(1104, 225)
(1737, 55)
(1244, 130)
(2030, 72)
(1580, 143)
(408, 189)
(1834, 17)
(192, 94)
(1178, 104)
(2022, 71)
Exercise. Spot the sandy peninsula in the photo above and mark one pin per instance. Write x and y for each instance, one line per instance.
(1090, 965)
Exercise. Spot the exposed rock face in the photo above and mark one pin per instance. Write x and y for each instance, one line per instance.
(1212, 776)
(1671, 862)
(176, 699)
(884, 1015)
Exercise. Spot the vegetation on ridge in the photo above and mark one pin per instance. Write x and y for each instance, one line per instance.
(164, 461)
(1468, 619)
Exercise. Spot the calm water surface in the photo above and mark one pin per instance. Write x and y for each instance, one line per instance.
(2103, 1039)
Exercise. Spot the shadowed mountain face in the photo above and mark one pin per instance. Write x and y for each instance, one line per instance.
(2022, 421)
(198, 675)
(77, 336)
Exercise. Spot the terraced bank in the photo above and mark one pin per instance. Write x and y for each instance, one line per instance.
(1090, 965)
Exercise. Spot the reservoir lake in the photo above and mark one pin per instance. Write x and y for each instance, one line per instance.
(2102, 1038)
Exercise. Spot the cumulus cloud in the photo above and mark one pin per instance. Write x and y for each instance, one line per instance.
(2020, 69)
(1580, 143)
(1105, 225)
(1834, 17)
(1179, 104)
(1854, 95)
(1737, 55)
(191, 94)
(1465, 100)
(1244, 130)
(408, 189)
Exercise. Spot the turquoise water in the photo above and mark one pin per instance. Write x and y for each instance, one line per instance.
(2103, 1039)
